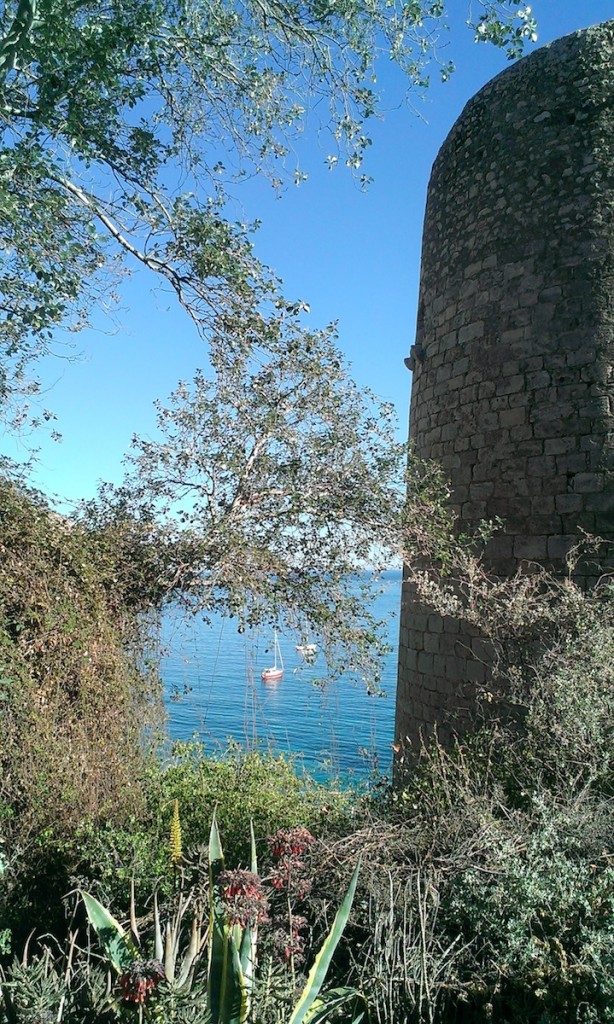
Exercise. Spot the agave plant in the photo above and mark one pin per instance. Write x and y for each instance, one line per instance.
(174, 956)
(230, 942)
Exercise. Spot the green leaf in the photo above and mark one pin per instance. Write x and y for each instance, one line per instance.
(226, 989)
(249, 938)
(158, 940)
(216, 854)
(245, 952)
(217, 926)
(254, 857)
(334, 999)
(322, 961)
(118, 946)
(187, 966)
(233, 1009)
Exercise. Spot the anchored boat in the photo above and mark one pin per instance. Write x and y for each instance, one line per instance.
(308, 652)
(276, 671)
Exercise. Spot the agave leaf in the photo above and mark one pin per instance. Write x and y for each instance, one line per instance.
(218, 946)
(158, 940)
(322, 961)
(237, 931)
(118, 946)
(217, 921)
(216, 854)
(169, 954)
(254, 864)
(247, 962)
(176, 925)
(249, 940)
(334, 999)
(245, 947)
(234, 1001)
(189, 958)
(226, 990)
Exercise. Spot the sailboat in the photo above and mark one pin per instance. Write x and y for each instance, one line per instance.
(308, 652)
(276, 671)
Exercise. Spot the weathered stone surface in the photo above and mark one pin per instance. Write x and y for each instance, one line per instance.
(515, 393)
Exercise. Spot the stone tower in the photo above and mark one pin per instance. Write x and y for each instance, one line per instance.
(513, 366)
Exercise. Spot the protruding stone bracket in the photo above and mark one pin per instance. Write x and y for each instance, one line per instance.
(416, 353)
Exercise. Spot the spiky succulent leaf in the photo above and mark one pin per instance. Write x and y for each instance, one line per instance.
(335, 999)
(118, 946)
(322, 961)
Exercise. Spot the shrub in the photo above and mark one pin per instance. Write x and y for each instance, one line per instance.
(489, 889)
(242, 786)
(74, 697)
(536, 919)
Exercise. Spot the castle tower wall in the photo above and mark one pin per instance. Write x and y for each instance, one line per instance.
(513, 380)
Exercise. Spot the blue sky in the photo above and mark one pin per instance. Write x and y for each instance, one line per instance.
(353, 256)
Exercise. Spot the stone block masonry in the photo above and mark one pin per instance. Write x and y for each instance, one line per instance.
(513, 393)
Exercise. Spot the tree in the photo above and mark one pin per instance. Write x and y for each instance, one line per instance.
(274, 485)
(286, 477)
(107, 104)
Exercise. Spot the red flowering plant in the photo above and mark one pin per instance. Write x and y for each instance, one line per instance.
(145, 981)
(243, 897)
(239, 901)
(290, 877)
(290, 849)
(140, 980)
(288, 843)
(289, 942)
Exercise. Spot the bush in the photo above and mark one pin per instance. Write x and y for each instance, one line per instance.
(489, 894)
(107, 857)
(75, 700)
(536, 918)
(243, 786)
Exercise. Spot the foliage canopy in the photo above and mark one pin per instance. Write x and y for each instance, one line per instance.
(272, 487)
(124, 120)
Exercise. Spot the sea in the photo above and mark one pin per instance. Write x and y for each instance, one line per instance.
(215, 695)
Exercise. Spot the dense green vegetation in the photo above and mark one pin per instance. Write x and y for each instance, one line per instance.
(126, 124)
(486, 889)
(75, 693)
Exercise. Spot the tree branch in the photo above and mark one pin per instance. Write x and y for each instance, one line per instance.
(175, 279)
(16, 36)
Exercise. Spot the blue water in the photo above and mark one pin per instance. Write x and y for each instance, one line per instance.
(214, 693)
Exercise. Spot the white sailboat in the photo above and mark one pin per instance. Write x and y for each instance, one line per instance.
(308, 652)
(275, 672)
